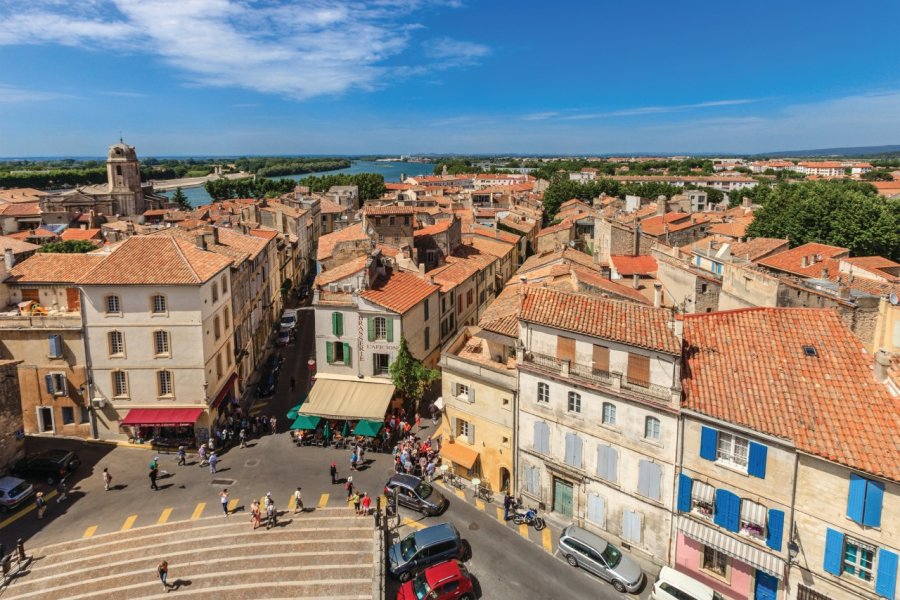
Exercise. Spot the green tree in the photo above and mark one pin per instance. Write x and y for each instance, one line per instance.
(180, 200)
(68, 247)
(410, 377)
(878, 175)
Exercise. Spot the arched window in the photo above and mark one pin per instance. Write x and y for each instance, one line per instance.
(164, 383)
(116, 343)
(158, 304)
(609, 413)
(651, 428)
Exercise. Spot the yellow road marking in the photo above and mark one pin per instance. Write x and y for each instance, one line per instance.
(198, 511)
(461, 494)
(523, 530)
(413, 524)
(232, 504)
(500, 515)
(128, 523)
(89, 531)
(479, 504)
(292, 502)
(164, 516)
(546, 541)
(27, 509)
(323, 501)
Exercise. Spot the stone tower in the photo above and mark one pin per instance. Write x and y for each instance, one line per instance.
(123, 174)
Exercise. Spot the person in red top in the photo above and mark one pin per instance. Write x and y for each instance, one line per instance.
(366, 503)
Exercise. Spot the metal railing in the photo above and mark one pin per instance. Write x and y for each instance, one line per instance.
(14, 563)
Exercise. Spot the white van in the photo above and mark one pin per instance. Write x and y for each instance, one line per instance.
(673, 585)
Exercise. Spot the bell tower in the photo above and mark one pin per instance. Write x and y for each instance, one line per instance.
(123, 171)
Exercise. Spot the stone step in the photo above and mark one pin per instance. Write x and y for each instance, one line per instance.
(316, 579)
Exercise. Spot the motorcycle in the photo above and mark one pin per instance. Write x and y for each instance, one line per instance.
(529, 517)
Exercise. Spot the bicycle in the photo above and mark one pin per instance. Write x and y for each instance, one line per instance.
(455, 480)
(482, 491)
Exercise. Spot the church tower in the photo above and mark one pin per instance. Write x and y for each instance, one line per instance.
(123, 174)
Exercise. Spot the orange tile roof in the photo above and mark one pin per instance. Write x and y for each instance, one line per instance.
(14, 195)
(874, 264)
(267, 234)
(252, 244)
(659, 224)
(791, 261)
(341, 271)
(347, 234)
(46, 267)
(160, 260)
(596, 280)
(564, 225)
(625, 322)
(80, 234)
(487, 246)
(735, 229)
(399, 292)
(758, 248)
(490, 233)
(21, 209)
(749, 367)
(566, 255)
(633, 265)
(439, 227)
(387, 209)
(521, 225)
(329, 207)
(16, 245)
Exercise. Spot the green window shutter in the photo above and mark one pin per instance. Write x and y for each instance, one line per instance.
(390, 330)
(347, 360)
(340, 324)
(371, 325)
(329, 352)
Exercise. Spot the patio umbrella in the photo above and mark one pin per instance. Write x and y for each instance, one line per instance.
(305, 422)
(346, 430)
(295, 410)
(327, 431)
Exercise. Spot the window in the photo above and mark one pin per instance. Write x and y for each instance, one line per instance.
(596, 509)
(574, 402)
(532, 480)
(648, 479)
(85, 415)
(158, 304)
(715, 562)
(609, 413)
(459, 305)
(470, 295)
(336, 353)
(215, 292)
(116, 343)
(864, 501)
(463, 428)
(565, 349)
(459, 389)
(601, 359)
(573, 450)
(753, 519)
(631, 526)
(427, 339)
(858, 559)
(702, 499)
(337, 324)
(113, 306)
(541, 437)
(607, 463)
(217, 327)
(638, 369)
(119, 383)
(219, 366)
(426, 308)
(224, 284)
(56, 384)
(381, 363)
(228, 354)
(543, 393)
(732, 450)
(651, 428)
(56, 350)
(380, 328)
(226, 318)
(164, 383)
(160, 342)
(68, 415)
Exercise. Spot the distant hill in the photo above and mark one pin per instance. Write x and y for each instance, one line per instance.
(855, 152)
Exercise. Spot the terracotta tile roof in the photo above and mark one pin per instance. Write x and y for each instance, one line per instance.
(15, 195)
(596, 280)
(266, 234)
(347, 234)
(399, 292)
(493, 247)
(502, 315)
(625, 322)
(575, 201)
(791, 261)
(190, 236)
(46, 267)
(154, 259)
(42, 232)
(491, 233)
(564, 225)
(439, 227)
(252, 244)
(634, 265)
(73, 233)
(565, 255)
(329, 207)
(704, 243)
(673, 222)
(452, 274)
(749, 367)
(735, 229)
(16, 245)
(387, 209)
(520, 225)
(874, 264)
(397, 187)
(341, 271)
(391, 251)
(758, 248)
(21, 209)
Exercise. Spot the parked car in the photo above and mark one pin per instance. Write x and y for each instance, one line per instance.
(302, 292)
(288, 319)
(13, 492)
(581, 548)
(424, 548)
(266, 386)
(284, 338)
(447, 581)
(51, 466)
(674, 585)
(414, 493)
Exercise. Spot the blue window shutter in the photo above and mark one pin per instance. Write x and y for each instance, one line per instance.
(886, 581)
(613, 469)
(685, 484)
(570, 449)
(721, 516)
(874, 495)
(602, 463)
(776, 529)
(709, 441)
(756, 465)
(734, 515)
(856, 499)
(577, 451)
(537, 436)
(728, 510)
(48, 381)
(55, 345)
(834, 550)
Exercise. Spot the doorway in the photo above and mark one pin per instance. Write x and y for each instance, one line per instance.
(766, 587)
(45, 418)
(562, 497)
(504, 480)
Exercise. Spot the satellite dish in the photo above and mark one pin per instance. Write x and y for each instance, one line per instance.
(893, 298)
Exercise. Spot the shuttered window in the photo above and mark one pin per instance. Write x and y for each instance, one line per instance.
(631, 526)
(337, 324)
(607, 463)
(541, 437)
(596, 510)
(573, 450)
(565, 348)
(532, 480)
(638, 369)
(55, 345)
(601, 358)
(648, 479)
(30, 295)
(864, 501)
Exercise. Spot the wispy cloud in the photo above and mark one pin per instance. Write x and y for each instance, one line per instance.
(656, 110)
(302, 49)
(14, 95)
(123, 94)
(540, 116)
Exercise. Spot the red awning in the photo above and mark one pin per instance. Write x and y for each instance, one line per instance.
(162, 416)
(223, 392)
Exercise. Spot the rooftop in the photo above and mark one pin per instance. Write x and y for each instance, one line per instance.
(399, 292)
(73, 233)
(817, 257)
(347, 234)
(758, 248)
(341, 271)
(627, 266)
(46, 267)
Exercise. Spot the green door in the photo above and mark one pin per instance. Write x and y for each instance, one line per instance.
(562, 497)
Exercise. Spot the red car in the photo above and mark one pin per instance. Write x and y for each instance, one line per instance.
(447, 581)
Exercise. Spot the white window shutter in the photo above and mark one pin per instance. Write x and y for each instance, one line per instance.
(570, 449)
(453, 427)
(471, 393)
(471, 436)
(454, 389)
(602, 462)
(596, 511)
(577, 452)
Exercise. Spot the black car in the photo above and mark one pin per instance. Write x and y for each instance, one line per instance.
(266, 386)
(51, 466)
(416, 494)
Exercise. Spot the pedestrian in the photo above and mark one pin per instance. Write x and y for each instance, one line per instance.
(163, 571)
(271, 515)
(354, 500)
(298, 501)
(107, 478)
(154, 473)
(243, 436)
(213, 461)
(61, 490)
(507, 505)
(333, 470)
(360, 453)
(154, 464)
(293, 384)
(202, 454)
(429, 471)
(353, 458)
(272, 423)
(182, 456)
(223, 498)
(255, 513)
(435, 411)
(349, 486)
(211, 444)
(366, 503)
(418, 422)
(41, 505)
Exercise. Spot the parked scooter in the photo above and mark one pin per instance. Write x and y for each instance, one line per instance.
(529, 517)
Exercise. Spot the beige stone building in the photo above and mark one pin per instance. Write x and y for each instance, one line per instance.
(12, 442)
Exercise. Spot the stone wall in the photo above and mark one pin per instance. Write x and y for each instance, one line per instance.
(12, 439)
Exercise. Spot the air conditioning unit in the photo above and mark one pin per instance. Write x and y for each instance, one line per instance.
(348, 288)
(98, 402)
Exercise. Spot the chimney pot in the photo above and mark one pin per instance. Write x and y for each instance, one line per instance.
(201, 241)
(9, 258)
(657, 295)
(882, 363)
(804, 262)
(636, 281)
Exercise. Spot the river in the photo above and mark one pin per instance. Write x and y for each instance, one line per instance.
(390, 170)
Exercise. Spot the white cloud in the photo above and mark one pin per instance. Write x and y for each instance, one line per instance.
(656, 110)
(13, 95)
(302, 49)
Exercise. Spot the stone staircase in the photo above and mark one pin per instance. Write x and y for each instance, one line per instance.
(328, 553)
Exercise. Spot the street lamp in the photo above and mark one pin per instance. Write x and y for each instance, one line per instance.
(793, 552)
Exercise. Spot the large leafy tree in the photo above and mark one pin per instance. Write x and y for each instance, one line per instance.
(180, 200)
(410, 377)
(69, 247)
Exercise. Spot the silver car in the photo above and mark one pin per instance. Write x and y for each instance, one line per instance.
(592, 553)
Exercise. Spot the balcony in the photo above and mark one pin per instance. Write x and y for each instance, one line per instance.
(590, 375)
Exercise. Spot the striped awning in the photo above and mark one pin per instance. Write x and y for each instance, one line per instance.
(726, 544)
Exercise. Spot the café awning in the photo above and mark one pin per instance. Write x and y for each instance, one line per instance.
(458, 454)
(742, 551)
(305, 422)
(348, 399)
(368, 428)
(163, 417)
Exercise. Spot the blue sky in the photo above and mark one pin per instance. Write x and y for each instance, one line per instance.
(412, 76)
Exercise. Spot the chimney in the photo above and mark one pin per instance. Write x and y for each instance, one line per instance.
(215, 238)
(804, 262)
(201, 241)
(844, 292)
(657, 295)
(824, 272)
(660, 205)
(636, 281)
(9, 259)
(636, 245)
(746, 202)
(882, 363)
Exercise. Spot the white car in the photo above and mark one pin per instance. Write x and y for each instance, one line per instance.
(13, 492)
(288, 319)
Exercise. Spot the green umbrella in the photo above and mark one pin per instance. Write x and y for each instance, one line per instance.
(306, 422)
(295, 410)
(346, 430)
(368, 428)
(327, 431)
